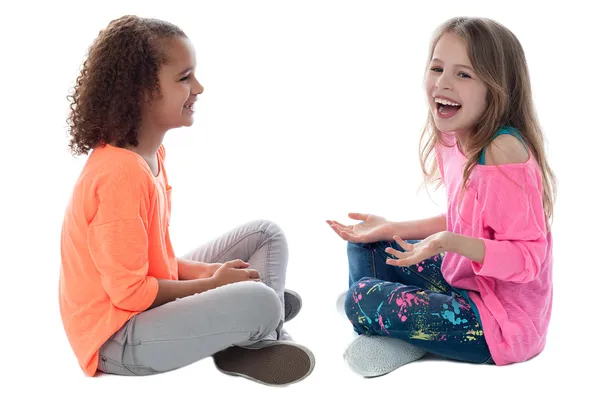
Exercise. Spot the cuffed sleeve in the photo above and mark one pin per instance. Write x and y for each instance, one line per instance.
(514, 211)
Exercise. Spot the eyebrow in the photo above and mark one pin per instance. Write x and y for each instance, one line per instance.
(189, 69)
(458, 65)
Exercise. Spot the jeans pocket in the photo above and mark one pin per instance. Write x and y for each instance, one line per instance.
(111, 366)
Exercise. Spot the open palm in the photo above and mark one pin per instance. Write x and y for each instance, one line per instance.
(372, 229)
(416, 253)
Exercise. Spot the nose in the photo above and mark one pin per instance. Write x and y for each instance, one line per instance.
(443, 82)
(198, 88)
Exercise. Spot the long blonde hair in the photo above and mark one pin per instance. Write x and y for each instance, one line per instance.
(499, 60)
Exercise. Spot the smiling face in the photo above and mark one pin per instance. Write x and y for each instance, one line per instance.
(456, 95)
(178, 87)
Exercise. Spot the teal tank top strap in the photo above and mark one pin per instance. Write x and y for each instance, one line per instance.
(503, 130)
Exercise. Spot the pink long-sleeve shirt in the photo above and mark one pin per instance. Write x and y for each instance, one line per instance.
(512, 288)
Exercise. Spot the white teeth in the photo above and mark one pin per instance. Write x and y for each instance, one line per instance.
(443, 101)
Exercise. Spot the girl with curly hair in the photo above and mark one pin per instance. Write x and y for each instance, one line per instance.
(129, 306)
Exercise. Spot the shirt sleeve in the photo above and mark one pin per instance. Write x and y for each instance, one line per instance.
(514, 212)
(118, 244)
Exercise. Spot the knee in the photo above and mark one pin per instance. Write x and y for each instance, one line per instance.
(267, 226)
(270, 228)
(350, 301)
(357, 249)
(355, 294)
(265, 300)
(353, 246)
(360, 259)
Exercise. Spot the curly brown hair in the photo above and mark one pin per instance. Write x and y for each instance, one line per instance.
(121, 67)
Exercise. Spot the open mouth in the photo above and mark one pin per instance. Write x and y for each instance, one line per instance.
(446, 108)
(189, 107)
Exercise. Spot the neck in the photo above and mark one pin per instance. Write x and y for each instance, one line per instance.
(149, 139)
(461, 139)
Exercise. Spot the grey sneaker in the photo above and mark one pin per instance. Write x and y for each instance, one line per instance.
(293, 304)
(373, 356)
(267, 362)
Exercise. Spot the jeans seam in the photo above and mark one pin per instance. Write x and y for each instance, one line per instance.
(175, 339)
(267, 259)
(243, 237)
(373, 267)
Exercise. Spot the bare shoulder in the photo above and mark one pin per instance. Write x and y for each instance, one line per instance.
(506, 149)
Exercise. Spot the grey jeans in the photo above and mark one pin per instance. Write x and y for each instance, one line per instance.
(188, 329)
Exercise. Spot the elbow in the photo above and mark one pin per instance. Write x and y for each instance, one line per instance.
(529, 274)
(132, 298)
(531, 266)
(129, 303)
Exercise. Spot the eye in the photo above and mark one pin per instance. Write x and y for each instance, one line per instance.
(184, 78)
(437, 69)
(463, 75)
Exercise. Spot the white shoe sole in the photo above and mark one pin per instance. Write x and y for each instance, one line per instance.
(374, 356)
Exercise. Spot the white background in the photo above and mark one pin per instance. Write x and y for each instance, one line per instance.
(311, 110)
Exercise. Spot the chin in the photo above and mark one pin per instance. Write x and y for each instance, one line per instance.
(187, 122)
(445, 126)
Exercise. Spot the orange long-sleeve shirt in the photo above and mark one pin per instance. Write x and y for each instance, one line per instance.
(114, 246)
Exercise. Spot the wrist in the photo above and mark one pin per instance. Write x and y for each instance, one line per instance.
(205, 284)
(448, 241)
(391, 229)
(190, 270)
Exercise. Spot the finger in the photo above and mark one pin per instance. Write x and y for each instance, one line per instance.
(396, 253)
(237, 264)
(351, 237)
(253, 274)
(404, 262)
(406, 246)
(335, 229)
(355, 238)
(358, 216)
(340, 226)
(342, 233)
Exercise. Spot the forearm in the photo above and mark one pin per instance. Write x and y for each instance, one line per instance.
(417, 229)
(169, 290)
(469, 247)
(190, 270)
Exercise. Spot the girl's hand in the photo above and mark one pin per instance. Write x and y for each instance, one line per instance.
(193, 270)
(374, 228)
(416, 253)
(209, 269)
(234, 271)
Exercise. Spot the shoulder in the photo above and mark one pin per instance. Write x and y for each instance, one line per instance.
(118, 172)
(506, 149)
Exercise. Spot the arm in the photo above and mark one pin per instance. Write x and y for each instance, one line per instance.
(518, 261)
(119, 250)
(469, 247)
(169, 290)
(191, 270)
(417, 229)
(515, 214)
(123, 269)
